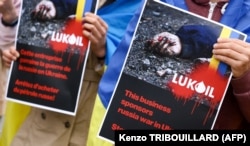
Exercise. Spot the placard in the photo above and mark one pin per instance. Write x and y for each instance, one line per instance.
(53, 55)
(169, 80)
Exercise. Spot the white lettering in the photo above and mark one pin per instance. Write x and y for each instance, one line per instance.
(67, 39)
(193, 85)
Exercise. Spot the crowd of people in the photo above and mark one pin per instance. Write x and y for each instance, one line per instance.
(110, 32)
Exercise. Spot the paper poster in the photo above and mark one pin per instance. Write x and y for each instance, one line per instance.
(169, 80)
(53, 55)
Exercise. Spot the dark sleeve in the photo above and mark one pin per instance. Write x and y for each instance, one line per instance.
(64, 8)
(197, 41)
(241, 91)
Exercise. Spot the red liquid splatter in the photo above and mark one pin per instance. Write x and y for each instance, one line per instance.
(209, 76)
(72, 27)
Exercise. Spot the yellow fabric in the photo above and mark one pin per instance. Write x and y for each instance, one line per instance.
(80, 9)
(15, 115)
(95, 124)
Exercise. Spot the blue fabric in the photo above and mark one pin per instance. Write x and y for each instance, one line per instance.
(237, 16)
(122, 12)
(88, 6)
(110, 77)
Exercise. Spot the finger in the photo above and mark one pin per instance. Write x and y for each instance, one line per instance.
(44, 14)
(14, 52)
(99, 27)
(92, 15)
(228, 60)
(6, 54)
(156, 46)
(40, 12)
(225, 40)
(232, 48)
(235, 44)
(238, 63)
(6, 61)
(229, 53)
(89, 35)
(92, 31)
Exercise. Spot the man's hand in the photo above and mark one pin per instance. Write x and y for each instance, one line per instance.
(9, 55)
(235, 53)
(95, 29)
(45, 10)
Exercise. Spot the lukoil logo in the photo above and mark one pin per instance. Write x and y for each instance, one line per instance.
(193, 85)
(70, 39)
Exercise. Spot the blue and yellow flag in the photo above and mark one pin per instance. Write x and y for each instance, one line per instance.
(221, 67)
(122, 11)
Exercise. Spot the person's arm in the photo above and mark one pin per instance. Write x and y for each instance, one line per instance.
(9, 12)
(241, 91)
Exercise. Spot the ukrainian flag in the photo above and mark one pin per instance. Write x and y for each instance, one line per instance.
(216, 65)
(117, 15)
